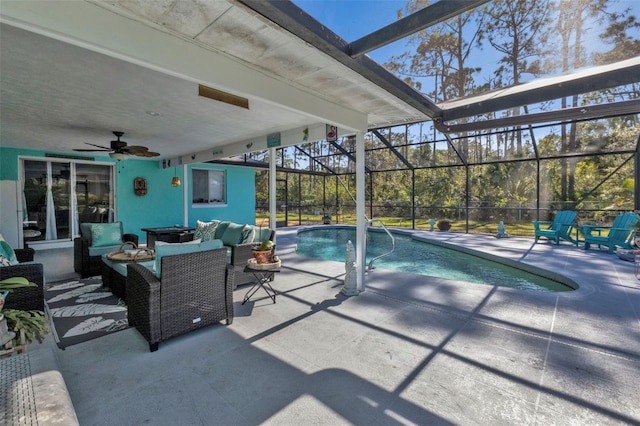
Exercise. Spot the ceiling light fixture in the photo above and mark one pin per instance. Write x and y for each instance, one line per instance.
(118, 156)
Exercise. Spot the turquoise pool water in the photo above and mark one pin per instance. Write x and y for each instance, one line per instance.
(418, 257)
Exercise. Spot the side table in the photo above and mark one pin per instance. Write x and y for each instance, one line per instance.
(262, 276)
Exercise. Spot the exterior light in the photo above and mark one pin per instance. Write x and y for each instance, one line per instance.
(175, 180)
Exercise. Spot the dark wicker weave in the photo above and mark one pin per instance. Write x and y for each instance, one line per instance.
(26, 298)
(25, 254)
(194, 292)
(112, 279)
(88, 266)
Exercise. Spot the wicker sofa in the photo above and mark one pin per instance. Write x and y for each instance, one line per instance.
(193, 291)
(87, 257)
(238, 251)
(25, 298)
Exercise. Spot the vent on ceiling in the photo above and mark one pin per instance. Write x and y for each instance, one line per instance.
(219, 95)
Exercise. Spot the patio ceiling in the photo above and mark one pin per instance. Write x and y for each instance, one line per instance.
(73, 72)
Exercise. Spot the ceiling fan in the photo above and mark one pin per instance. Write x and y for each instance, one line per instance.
(120, 150)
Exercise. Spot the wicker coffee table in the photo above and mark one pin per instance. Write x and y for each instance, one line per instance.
(117, 281)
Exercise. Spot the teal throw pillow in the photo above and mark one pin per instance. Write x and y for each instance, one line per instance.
(106, 234)
(262, 235)
(205, 231)
(248, 234)
(7, 251)
(233, 234)
(4, 261)
(222, 226)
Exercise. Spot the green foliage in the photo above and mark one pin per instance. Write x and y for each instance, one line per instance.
(33, 323)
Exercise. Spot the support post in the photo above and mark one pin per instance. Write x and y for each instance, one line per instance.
(361, 247)
(272, 189)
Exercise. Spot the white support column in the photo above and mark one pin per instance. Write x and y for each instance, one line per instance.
(360, 216)
(272, 189)
(185, 195)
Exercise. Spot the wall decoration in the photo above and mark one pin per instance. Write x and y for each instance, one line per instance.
(273, 140)
(140, 186)
(332, 133)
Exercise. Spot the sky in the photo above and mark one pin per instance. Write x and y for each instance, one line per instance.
(352, 19)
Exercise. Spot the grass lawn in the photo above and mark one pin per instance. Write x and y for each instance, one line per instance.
(519, 229)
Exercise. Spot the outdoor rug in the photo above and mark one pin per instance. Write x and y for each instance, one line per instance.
(82, 309)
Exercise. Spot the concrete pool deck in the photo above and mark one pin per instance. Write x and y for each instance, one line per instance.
(409, 350)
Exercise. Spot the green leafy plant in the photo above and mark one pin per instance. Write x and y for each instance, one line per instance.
(31, 323)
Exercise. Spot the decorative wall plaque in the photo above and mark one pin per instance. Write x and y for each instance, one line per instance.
(140, 186)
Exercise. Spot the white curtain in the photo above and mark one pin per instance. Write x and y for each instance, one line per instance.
(25, 212)
(112, 202)
(52, 231)
(74, 200)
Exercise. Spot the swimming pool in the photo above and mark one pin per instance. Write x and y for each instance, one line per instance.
(418, 257)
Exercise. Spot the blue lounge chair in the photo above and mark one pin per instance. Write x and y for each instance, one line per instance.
(559, 229)
(620, 234)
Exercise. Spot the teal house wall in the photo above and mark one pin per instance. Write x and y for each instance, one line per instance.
(163, 205)
(241, 199)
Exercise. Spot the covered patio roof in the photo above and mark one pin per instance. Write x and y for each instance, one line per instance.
(73, 72)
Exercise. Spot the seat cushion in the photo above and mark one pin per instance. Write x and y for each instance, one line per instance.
(106, 234)
(170, 249)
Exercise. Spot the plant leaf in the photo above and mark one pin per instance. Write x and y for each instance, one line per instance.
(75, 293)
(89, 325)
(85, 309)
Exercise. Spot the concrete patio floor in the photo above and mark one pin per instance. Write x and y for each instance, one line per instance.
(409, 350)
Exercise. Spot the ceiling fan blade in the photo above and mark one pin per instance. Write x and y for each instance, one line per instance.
(135, 149)
(92, 150)
(148, 154)
(99, 146)
(140, 151)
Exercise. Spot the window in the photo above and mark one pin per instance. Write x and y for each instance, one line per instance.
(208, 187)
(59, 195)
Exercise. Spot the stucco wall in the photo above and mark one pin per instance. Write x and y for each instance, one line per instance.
(163, 205)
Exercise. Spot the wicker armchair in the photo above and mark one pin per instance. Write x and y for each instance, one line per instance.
(25, 298)
(85, 262)
(193, 292)
(239, 255)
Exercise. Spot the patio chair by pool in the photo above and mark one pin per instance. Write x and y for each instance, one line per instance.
(559, 229)
(620, 234)
(193, 291)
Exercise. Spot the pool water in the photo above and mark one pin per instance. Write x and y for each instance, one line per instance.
(418, 257)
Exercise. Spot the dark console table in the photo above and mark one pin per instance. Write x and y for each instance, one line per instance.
(169, 234)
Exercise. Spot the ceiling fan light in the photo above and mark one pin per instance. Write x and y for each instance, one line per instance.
(118, 156)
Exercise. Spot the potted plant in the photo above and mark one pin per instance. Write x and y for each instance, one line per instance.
(23, 326)
(264, 253)
(444, 225)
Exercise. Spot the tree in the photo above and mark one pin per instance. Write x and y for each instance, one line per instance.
(515, 30)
